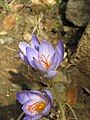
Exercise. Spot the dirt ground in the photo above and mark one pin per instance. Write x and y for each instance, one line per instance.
(17, 23)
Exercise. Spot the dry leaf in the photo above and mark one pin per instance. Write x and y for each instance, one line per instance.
(48, 2)
(52, 2)
(26, 36)
(36, 1)
(71, 95)
(49, 23)
(9, 22)
(1, 9)
(3, 32)
(15, 6)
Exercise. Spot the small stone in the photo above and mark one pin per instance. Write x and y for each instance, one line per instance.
(65, 54)
(52, 115)
(14, 88)
(58, 115)
(78, 12)
(66, 28)
(64, 63)
(59, 111)
(6, 40)
(3, 32)
(27, 36)
(8, 95)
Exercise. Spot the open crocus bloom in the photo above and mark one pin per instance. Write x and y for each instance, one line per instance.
(42, 55)
(35, 103)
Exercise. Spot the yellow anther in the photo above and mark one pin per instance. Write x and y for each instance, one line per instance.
(36, 107)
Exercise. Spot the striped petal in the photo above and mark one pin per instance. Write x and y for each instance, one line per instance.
(60, 50)
(46, 49)
(23, 46)
(31, 53)
(50, 74)
(35, 43)
(22, 97)
(37, 117)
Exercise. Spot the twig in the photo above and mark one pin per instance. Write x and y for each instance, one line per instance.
(9, 48)
(20, 116)
(37, 23)
(72, 111)
(4, 74)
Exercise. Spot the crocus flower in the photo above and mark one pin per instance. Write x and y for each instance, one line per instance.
(42, 56)
(35, 103)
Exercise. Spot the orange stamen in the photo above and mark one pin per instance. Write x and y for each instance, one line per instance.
(36, 107)
(44, 61)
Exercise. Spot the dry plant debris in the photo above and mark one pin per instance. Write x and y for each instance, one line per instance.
(9, 22)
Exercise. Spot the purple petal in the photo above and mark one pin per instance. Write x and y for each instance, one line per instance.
(60, 50)
(22, 97)
(54, 62)
(50, 74)
(23, 57)
(31, 53)
(27, 118)
(35, 43)
(38, 65)
(49, 94)
(23, 46)
(36, 96)
(37, 117)
(47, 109)
(46, 49)
(49, 97)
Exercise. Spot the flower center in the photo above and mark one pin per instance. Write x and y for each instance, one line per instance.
(44, 61)
(36, 107)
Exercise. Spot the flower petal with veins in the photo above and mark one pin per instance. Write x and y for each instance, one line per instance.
(35, 43)
(46, 49)
(31, 53)
(42, 56)
(35, 103)
(23, 46)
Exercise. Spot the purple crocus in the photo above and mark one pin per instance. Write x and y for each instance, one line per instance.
(42, 56)
(35, 103)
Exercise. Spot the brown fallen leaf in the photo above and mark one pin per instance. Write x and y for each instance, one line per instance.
(48, 2)
(52, 2)
(1, 9)
(36, 1)
(71, 95)
(3, 32)
(27, 36)
(16, 6)
(9, 22)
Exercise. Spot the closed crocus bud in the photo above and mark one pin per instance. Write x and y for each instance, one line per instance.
(42, 56)
(35, 103)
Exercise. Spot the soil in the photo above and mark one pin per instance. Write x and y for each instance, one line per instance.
(45, 21)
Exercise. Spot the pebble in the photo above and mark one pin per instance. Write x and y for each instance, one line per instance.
(6, 40)
(8, 95)
(66, 28)
(78, 12)
(14, 88)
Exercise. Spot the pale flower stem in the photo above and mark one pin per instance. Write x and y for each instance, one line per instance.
(58, 100)
(51, 83)
(20, 116)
